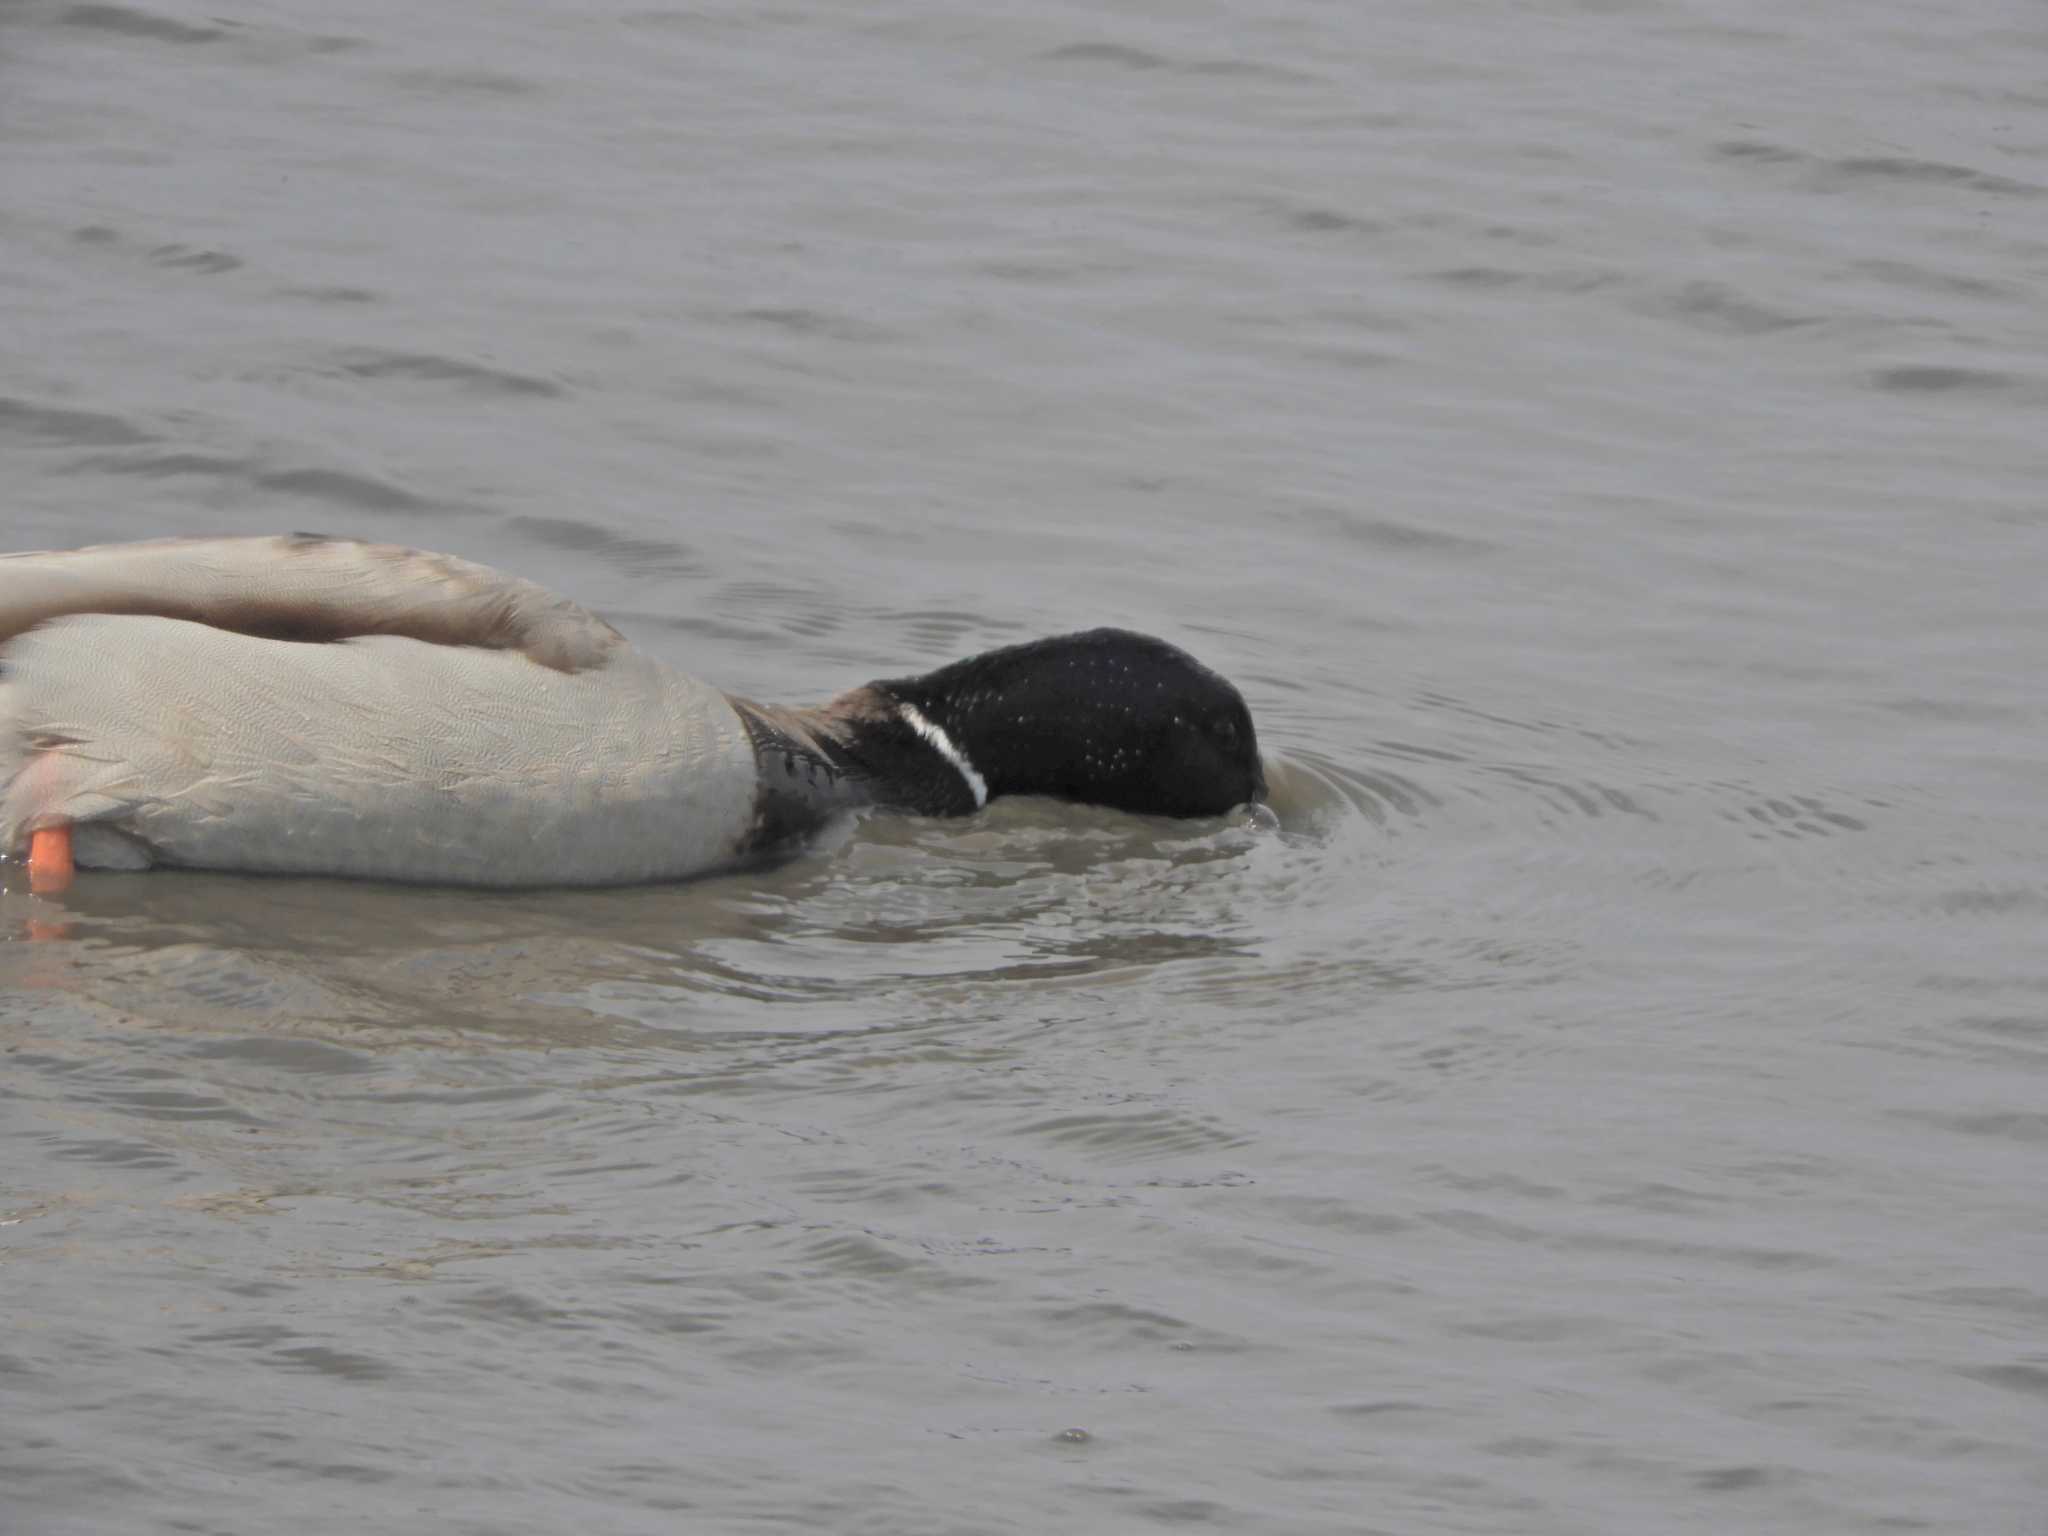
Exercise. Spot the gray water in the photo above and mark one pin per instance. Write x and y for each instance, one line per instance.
(1604, 441)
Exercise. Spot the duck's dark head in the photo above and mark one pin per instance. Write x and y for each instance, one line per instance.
(1106, 717)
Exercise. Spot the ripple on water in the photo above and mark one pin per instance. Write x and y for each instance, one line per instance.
(429, 368)
(440, 83)
(1121, 55)
(278, 1347)
(630, 554)
(1848, 172)
(127, 22)
(1313, 792)
(347, 490)
(1136, 1134)
(111, 1152)
(184, 258)
(28, 421)
(284, 1054)
(1720, 308)
(1944, 379)
(174, 464)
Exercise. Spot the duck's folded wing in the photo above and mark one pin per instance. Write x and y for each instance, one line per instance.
(165, 741)
(309, 588)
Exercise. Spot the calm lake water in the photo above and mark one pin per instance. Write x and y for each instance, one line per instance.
(1606, 443)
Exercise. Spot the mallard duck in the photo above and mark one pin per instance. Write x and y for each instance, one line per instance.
(308, 705)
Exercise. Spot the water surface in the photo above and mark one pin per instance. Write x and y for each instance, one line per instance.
(1603, 441)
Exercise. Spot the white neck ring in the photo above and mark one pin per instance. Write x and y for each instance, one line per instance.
(942, 744)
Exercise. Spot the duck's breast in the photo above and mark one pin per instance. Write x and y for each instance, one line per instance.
(381, 756)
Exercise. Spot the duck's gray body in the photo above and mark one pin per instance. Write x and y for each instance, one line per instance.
(169, 740)
(172, 742)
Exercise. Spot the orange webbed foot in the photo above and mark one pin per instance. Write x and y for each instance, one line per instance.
(49, 860)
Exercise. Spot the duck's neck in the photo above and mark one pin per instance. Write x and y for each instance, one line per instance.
(866, 747)
(907, 757)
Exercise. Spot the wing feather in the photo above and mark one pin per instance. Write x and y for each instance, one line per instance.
(306, 587)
